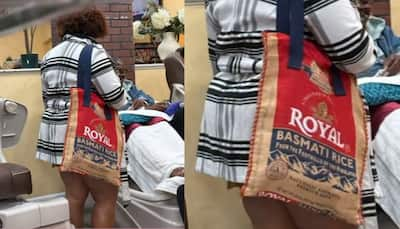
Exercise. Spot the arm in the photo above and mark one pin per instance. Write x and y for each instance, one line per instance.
(338, 31)
(44, 82)
(106, 81)
(390, 45)
(44, 90)
(212, 31)
(137, 94)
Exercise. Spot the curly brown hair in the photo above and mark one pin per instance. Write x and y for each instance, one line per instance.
(89, 22)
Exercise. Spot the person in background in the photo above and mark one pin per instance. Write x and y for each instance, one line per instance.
(139, 99)
(378, 83)
(175, 68)
(59, 74)
(236, 55)
(387, 44)
(136, 98)
(175, 74)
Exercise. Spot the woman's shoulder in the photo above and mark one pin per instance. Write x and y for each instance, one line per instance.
(99, 47)
(65, 48)
(56, 51)
(99, 53)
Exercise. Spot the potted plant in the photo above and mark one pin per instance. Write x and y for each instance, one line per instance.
(29, 59)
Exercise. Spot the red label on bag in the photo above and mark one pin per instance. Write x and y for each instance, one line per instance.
(97, 135)
(308, 144)
(96, 138)
(93, 144)
(309, 132)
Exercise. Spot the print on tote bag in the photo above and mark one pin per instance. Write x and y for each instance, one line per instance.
(94, 140)
(309, 142)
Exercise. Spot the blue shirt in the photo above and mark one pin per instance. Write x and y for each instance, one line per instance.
(386, 42)
(134, 93)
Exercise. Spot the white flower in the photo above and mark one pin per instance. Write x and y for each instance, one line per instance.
(181, 15)
(160, 19)
(136, 34)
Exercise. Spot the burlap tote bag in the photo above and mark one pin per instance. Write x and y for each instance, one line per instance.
(309, 141)
(94, 140)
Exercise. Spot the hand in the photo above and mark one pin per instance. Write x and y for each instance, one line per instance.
(392, 65)
(138, 103)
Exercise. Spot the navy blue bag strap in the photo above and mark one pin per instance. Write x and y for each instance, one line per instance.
(338, 87)
(85, 73)
(282, 18)
(290, 20)
(85, 76)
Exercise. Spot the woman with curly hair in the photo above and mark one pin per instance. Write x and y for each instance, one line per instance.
(59, 74)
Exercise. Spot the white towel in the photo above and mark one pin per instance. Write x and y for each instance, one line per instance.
(153, 153)
(387, 148)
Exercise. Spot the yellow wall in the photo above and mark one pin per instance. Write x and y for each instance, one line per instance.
(395, 15)
(173, 6)
(153, 82)
(209, 204)
(14, 44)
(45, 179)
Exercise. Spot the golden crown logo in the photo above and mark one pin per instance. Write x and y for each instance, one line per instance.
(100, 128)
(321, 112)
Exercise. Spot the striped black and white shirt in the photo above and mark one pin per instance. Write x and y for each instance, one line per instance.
(235, 26)
(59, 75)
(236, 52)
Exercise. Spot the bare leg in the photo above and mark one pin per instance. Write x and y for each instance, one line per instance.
(76, 193)
(306, 219)
(105, 196)
(266, 213)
